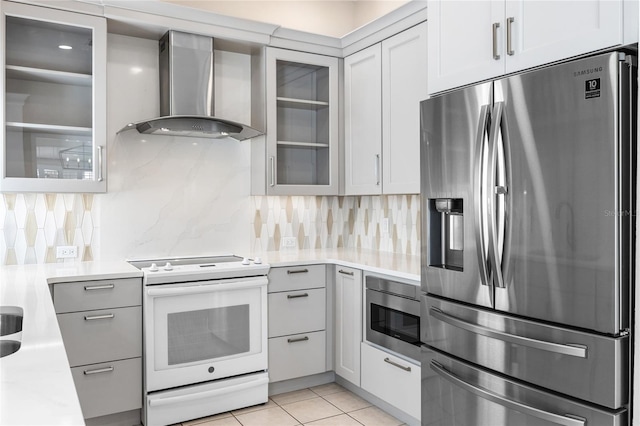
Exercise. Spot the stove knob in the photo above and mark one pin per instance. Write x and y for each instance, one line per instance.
(257, 260)
(245, 261)
(168, 267)
(153, 268)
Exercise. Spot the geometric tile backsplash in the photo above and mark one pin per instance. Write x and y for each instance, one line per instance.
(32, 225)
(336, 222)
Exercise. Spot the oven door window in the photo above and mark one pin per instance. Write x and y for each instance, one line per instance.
(208, 334)
(391, 322)
(198, 328)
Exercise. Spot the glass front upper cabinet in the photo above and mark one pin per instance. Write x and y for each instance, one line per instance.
(302, 123)
(54, 100)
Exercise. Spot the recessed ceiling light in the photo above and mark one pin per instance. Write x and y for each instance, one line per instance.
(65, 47)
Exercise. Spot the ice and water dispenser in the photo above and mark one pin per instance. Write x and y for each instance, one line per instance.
(446, 233)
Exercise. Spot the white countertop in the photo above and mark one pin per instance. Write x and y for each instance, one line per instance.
(36, 386)
(397, 265)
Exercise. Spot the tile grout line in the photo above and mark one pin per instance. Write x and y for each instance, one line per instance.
(343, 412)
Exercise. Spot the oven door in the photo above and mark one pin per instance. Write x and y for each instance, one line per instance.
(393, 322)
(206, 330)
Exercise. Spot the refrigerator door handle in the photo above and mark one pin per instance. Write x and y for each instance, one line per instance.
(495, 211)
(579, 351)
(567, 419)
(479, 190)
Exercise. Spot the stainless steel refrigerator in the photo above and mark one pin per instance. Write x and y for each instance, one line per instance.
(527, 205)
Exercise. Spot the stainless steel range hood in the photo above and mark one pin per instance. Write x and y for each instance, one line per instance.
(187, 103)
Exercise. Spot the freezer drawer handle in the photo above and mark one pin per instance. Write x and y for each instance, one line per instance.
(395, 364)
(568, 349)
(567, 420)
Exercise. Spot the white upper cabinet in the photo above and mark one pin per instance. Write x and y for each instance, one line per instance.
(471, 41)
(301, 152)
(363, 121)
(53, 106)
(404, 86)
(384, 85)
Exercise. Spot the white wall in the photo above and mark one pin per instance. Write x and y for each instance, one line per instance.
(327, 17)
(172, 196)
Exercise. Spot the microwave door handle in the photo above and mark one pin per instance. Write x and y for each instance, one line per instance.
(566, 420)
(165, 290)
(479, 191)
(576, 350)
(493, 215)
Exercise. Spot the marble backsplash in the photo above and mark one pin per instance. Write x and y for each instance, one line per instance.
(32, 225)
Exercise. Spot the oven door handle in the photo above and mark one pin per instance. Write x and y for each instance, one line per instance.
(207, 394)
(162, 291)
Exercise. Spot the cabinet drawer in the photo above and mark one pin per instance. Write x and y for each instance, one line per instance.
(99, 336)
(297, 356)
(88, 295)
(300, 311)
(385, 376)
(110, 387)
(296, 278)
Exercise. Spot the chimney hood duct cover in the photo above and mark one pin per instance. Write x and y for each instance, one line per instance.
(187, 100)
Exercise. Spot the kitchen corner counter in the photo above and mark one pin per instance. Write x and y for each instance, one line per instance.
(394, 264)
(36, 386)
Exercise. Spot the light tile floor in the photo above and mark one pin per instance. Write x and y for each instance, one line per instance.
(325, 405)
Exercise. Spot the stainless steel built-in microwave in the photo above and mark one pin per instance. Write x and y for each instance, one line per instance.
(393, 315)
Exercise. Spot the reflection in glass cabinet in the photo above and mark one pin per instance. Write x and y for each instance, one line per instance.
(53, 128)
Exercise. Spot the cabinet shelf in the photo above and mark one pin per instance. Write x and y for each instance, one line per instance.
(301, 103)
(303, 144)
(48, 76)
(50, 128)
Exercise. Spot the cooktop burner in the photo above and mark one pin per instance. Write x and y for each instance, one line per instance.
(185, 269)
(203, 261)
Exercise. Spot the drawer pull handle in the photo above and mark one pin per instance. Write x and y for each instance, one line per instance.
(298, 339)
(98, 371)
(98, 317)
(99, 287)
(296, 296)
(388, 361)
(297, 271)
(342, 271)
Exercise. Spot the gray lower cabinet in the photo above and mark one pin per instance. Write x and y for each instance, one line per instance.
(101, 326)
(297, 322)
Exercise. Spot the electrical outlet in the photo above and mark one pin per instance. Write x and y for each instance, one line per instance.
(288, 242)
(66, 252)
(384, 225)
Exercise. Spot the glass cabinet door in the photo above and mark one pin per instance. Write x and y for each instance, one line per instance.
(302, 123)
(54, 106)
